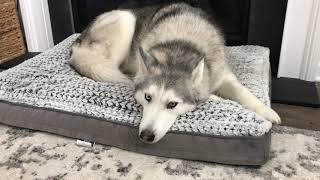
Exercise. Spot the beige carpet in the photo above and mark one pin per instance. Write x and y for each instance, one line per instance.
(25, 154)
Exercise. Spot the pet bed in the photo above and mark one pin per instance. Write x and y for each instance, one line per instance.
(45, 93)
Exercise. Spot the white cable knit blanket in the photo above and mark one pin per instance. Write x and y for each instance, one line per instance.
(47, 81)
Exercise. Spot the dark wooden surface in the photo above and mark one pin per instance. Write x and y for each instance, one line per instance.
(266, 24)
(295, 92)
(299, 116)
(62, 22)
(18, 60)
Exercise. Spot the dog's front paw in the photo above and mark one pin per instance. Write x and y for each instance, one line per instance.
(270, 115)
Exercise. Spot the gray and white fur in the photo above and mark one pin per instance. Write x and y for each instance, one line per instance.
(174, 57)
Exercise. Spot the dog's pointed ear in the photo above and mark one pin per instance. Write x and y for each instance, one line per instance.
(197, 73)
(150, 62)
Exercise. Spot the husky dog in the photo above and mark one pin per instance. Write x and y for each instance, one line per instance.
(174, 57)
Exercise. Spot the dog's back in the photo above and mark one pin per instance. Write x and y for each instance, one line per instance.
(178, 35)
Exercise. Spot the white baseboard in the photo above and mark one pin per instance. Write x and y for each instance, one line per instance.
(37, 25)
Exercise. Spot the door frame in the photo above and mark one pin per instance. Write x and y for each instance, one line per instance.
(37, 24)
(300, 51)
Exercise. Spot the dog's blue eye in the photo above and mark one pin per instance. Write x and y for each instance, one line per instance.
(172, 105)
(147, 97)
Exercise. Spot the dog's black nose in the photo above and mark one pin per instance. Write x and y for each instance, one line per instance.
(147, 136)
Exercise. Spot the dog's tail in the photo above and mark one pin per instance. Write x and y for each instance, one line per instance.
(104, 46)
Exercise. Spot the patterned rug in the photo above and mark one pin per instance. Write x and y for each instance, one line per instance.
(26, 154)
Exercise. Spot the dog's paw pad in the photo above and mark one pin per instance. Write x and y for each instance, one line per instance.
(213, 97)
(270, 115)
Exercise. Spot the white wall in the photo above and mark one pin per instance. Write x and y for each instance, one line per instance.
(37, 25)
(300, 56)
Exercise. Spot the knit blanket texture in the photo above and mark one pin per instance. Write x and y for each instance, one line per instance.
(48, 81)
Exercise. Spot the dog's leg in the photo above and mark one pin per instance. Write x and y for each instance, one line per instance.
(105, 46)
(232, 89)
(214, 97)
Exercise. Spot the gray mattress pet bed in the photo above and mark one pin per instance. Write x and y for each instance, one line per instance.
(45, 93)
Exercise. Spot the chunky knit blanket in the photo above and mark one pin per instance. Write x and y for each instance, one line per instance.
(48, 81)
